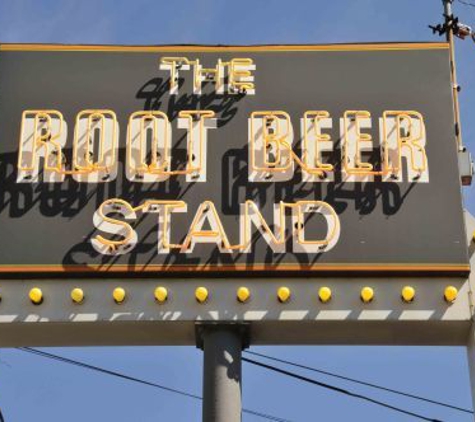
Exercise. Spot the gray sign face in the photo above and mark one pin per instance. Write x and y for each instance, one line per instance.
(245, 159)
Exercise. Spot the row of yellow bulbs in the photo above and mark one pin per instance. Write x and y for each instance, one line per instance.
(243, 294)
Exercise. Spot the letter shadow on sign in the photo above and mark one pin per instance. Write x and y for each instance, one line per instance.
(65, 199)
(365, 196)
(362, 197)
(155, 94)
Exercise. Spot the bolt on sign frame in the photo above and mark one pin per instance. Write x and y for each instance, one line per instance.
(145, 189)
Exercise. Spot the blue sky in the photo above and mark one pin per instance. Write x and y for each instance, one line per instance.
(32, 389)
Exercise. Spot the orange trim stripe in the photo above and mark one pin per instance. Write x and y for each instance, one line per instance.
(255, 267)
(215, 48)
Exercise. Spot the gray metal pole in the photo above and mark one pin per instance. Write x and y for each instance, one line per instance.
(471, 361)
(447, 7)
(453, 68)
(222, 347)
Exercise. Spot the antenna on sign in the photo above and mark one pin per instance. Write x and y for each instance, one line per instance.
(452, 24)
(453, 28)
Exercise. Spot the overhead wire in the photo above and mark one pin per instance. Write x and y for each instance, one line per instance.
(84, 365)
(269, 367)
(467, 3)
(356, 381)
(341, 390)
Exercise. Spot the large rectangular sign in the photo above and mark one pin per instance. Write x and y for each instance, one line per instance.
(316, 159)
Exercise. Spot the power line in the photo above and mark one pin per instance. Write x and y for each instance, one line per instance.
(340, 390)
(269, 367)
(366, 384)
(137, 380)
(467, 3)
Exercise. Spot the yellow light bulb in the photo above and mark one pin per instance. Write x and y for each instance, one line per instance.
(36, 295)
(201, 294)
(283, 294)
(367, 294)
(243, 294)
(119, 295)
(161, 294)
(325, 294)
(77, 295)
(408, 294)
(450, 294)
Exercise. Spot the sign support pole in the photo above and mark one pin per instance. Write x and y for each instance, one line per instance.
(222, 346)
(453, 71)
(470, 227)
(471, 361)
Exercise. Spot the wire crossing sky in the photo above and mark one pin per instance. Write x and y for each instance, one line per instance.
(33, 389)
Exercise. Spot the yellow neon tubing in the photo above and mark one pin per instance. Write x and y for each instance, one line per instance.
(143, 167)
(404, 141)
(279, 141)
(101, 165)
(172, 61)
(190, 169)
(114, 244)
(279, 240)
(365, 169)
(317, 116)
(301, 223)
(42, 139)
(233, 73)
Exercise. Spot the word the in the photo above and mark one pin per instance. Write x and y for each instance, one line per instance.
(239, 77)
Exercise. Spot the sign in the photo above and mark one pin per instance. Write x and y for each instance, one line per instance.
(277, 159)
